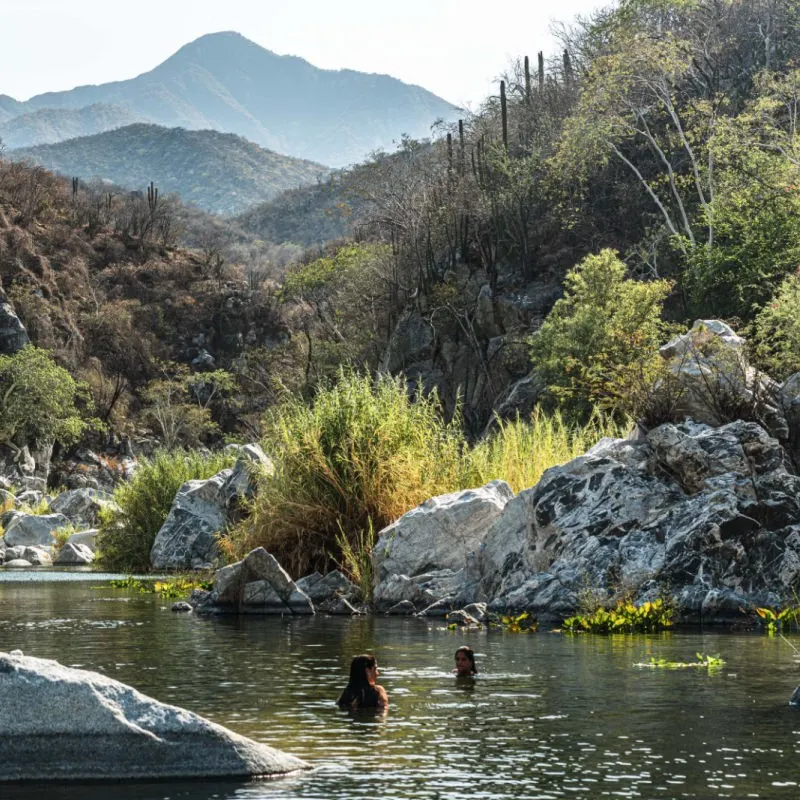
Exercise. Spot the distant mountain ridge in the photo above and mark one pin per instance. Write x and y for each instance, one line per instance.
(51, 125)
(225, 82)
(218, 172)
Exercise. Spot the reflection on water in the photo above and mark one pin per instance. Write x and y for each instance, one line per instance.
(547, 717)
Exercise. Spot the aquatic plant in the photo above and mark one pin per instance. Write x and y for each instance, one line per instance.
(626, 617)
(521, 623)
(171, 589)
(775, 618)
(703, 662)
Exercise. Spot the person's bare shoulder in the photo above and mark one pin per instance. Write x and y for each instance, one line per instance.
(382, 696)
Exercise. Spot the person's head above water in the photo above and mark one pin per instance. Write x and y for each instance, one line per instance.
(362, 690)
(465, 661)
(363, 670)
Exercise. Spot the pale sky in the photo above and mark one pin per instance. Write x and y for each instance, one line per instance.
(454, 48)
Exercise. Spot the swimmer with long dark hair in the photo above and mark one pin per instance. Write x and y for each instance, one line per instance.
(465, 662)
(362, 691)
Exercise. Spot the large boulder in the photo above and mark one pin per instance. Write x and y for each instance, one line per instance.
(710, 516)
(201, 509)
(62, 724)
(33, 529)
(81, 506)
(257, 584)
(432, 542)
(73, 554)
(714, 383)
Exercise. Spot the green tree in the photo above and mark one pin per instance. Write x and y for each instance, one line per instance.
(178, 405)
(39, 401)
(776, 331)
(601, 337)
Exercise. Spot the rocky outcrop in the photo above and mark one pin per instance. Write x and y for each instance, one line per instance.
(187, 540)
(257, 584)
(710, 516)
(707, 516)
(13, 336)
(63, 724)
(426, 551)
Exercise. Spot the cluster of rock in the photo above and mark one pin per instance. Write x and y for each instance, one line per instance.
(258, 584)
(34, 540)
(61, 723)
(704, 512)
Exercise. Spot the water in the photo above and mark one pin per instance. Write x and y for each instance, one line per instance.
(549, 716)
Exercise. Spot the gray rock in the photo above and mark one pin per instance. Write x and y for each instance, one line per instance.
(338, 606)
(182, 606)
(81, 506)
(38, 557)
(708, 515)
(32, 529)
(87, 538)
(411, 341)
(13, 336)
(30, 497)
(711, 370)
(437, 537)
(256, 585)
(198, 513)
(321, 589)
(74, 554)
(404, 608)
(17, 563)
(70, 724)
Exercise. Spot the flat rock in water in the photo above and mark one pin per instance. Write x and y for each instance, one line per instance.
(60, 723)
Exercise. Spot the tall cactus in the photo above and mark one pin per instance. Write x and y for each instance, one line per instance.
(541, 71)
(152, 197)
(75, 185)
(528, 80)
(567, 69)
(504, 113)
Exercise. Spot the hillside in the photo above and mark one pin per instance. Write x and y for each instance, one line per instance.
(219, 172)
(225, 82)
(49, 125)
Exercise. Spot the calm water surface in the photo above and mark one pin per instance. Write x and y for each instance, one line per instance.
(550, 716)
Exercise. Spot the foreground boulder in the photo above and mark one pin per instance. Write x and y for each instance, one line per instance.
(61, 724)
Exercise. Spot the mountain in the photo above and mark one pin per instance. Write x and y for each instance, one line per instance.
(50, 125)
(219, 172)
(9, 107)
(225, 82)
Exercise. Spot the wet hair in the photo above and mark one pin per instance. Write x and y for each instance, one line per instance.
(467, 651)
(358, 686)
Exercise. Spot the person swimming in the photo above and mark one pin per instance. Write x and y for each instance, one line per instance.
(465, 662)
(362, 691)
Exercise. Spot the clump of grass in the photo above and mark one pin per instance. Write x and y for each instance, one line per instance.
(520, 451)
(128, 531)
(624, 618)
(776, 619)
(363, 453)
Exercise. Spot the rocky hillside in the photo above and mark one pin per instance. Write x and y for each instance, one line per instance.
(49, 125)
(218, 172)
(225, 82)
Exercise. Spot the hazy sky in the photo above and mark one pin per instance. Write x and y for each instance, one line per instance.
(455, 48)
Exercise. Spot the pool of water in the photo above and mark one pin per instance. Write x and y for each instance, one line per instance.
(549, 716)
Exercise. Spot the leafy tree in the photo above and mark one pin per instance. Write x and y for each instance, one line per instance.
(776, 331)
(178, 404)
(601, 337)
(39, 401)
